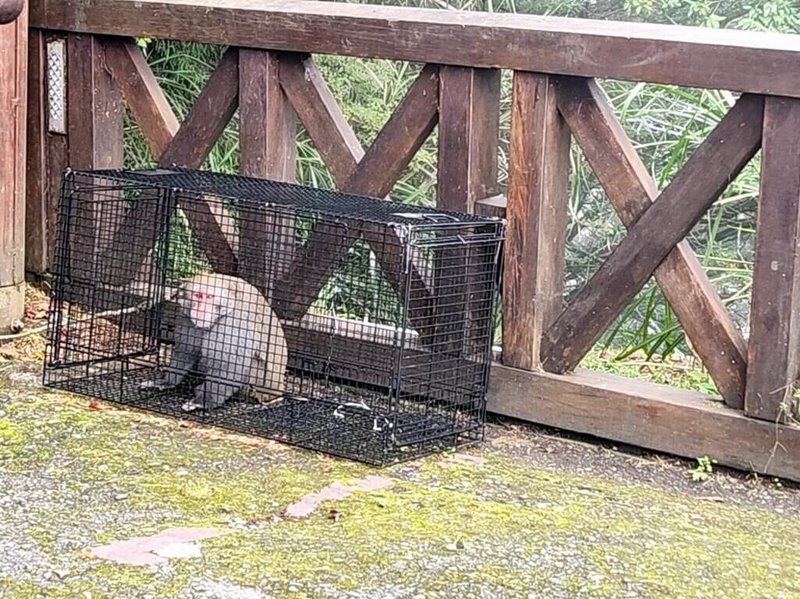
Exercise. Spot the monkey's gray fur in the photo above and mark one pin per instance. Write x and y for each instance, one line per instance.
(238, 345)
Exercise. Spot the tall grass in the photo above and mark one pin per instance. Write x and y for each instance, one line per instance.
(666, 124)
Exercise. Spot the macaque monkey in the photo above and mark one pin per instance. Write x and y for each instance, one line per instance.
(227, 332)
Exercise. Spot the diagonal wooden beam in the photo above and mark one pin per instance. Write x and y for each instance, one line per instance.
(680, 276)
(395, 145)
(717, 161)
(208, 116)
(321, 116)
(143, 96)
(214, 230)
(187, 145)
(398, 142)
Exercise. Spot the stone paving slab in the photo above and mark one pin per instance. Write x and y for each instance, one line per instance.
(84, 486)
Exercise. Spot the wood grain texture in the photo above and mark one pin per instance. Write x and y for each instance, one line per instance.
(757, 62)
(321, 116)
(398, 142)
(631, 190)
(208, 116)
(469, 119)
(775, 312)
(374, 172)
(95, 118)
(646, 415)
(538, 196)
(13, 126)
(267, 142)
(680, 206)
(37, 208)
(143, 96)
(95, 109)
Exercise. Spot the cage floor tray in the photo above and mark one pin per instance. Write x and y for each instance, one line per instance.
(339, 426)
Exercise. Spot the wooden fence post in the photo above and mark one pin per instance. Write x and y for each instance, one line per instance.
(267, 141)
(538, 178)
(773, 356)
(95, 113)
(469, 121)
(13, 105)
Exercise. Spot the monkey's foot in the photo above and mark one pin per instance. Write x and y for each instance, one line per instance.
(191, 406)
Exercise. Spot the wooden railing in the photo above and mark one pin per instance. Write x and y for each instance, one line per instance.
(269, 75)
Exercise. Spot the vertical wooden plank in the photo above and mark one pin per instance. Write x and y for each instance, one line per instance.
(13, 84)
(538, 179)
(267, 140)
(469, 107)
(469, 120)
(95, 115)
(37, 211)
(773, 358)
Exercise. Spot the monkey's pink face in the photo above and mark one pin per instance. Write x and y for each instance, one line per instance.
(204, 306)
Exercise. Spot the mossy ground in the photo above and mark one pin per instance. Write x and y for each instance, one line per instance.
(76, 474)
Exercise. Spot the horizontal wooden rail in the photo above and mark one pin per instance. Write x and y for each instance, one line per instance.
(644, 414)
(721, 59)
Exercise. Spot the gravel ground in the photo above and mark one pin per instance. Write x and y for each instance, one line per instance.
(530, 513)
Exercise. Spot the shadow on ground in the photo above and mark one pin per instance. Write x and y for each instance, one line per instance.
(524, 515)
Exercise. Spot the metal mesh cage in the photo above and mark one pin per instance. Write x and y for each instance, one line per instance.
(341, 323)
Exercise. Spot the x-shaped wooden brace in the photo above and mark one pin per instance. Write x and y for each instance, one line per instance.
(184, 144)
(656, 231)
(373, 172)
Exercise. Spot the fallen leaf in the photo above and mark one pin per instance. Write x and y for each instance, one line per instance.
(334, 515)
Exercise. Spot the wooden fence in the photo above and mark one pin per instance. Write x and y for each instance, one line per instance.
(269, 75)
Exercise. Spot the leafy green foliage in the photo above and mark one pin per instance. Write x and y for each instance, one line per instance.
(703, 470)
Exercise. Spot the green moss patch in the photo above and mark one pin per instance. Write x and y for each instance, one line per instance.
(104, 474)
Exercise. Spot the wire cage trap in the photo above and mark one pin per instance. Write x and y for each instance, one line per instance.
(340, 323)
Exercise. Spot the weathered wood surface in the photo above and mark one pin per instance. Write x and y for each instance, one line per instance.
(775, 313)
(469, 120)
(469, 105)
(394, 147)
(95, 119)
(39, 210)
(666, 222)
(631, 190)
(267, 142)
(538, 195)
(187, 144)
(143, 96)
(208, 117)
(403, 135)
(13, 125)
(756, 62)
(646, 415)
(321, 116)
(213, 228)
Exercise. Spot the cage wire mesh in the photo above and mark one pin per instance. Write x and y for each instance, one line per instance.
(349, 325)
